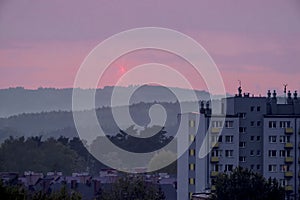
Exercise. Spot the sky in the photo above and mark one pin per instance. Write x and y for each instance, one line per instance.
(43, 43)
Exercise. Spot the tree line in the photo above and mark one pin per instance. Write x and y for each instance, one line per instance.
(247, 185)
(127, 187)
(71, 155)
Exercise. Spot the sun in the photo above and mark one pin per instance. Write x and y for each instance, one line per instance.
(122, 70)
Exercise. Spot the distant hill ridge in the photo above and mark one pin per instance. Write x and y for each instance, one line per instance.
(18, 100)
(60, 123)
(47, 111)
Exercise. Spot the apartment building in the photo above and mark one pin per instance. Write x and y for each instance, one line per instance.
(258, 133)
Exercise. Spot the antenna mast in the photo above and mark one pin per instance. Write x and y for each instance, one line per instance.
(240, 89)
(285, 85)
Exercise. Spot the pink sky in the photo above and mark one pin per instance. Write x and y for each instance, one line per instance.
(44, 43)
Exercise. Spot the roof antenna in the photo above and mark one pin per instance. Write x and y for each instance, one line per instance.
(240, 88)
(285, 85)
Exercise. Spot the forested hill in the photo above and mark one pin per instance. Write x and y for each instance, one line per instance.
(60, 123)
(18, 100)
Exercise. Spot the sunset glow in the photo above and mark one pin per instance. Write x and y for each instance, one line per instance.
(247, 42)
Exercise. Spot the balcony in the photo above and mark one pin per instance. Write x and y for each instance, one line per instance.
(289, 130)
(288, 145)
(215, 145)
(215, 130)
(214, 174)
(213, 188)
(288, 159)
(288, 188)
(288, 174)
(214, 159)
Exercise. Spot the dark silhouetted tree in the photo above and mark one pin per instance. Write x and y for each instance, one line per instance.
(133, 188)
(247, 185)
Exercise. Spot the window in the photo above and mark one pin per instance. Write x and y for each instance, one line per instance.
(228, 153)
(252, 138)
(242, 159)
(242, 144)
(258, 153)
(272, 139)
(258, 123)
(192, 181)
(192, 123)
(217, 153)
(217, 167)
(252, 167)
(252, 153)
(192, 152)
(217, 124)
(228, 124)
(272, 124)
(220, 138)
(258, 167)
(284, 124)
(272, 168)
(258, 138)
(252, 108)
(242, 115)
(252, 123)
(191, 137)
(192, 167)
(242, 129)
(283, 182)
(287, 153)
(228, 168)
(228, 138)
(282, 153)
(272, 153)
(258, 108)
(214, 138)
(284, 139)
(284, 168)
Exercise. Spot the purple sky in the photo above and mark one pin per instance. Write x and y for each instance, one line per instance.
(44, 43)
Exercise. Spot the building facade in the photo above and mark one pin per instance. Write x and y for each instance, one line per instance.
(256, 133)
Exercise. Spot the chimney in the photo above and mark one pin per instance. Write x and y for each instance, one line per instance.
(247, 94)
(208, 110)
(207, 105)
(289, 99)
(269, 94)
(274, 94)
(273, 104)
(296, 104)
(202, 110)
(270, 102)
